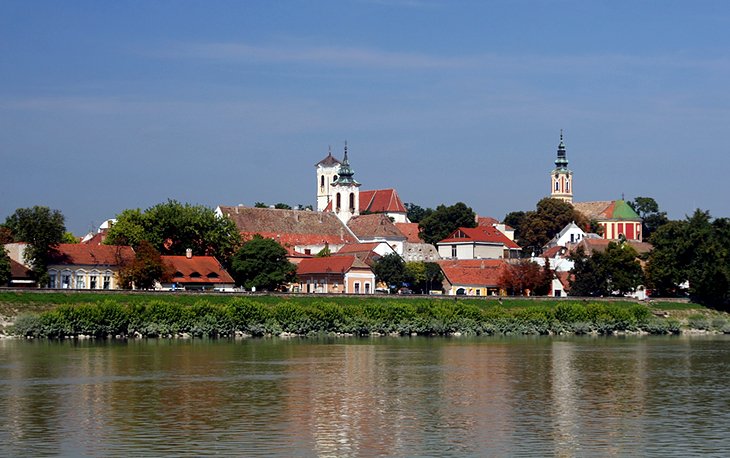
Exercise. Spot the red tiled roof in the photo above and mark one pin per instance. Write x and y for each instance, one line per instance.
(375, 225)
(358, 247)
(91, 255)
(599, 245)
(552, 251)
(18, 270)
(96, 239)
(564, 278)
(484, 234)
(198, 269)
(329, 264)
(411, 231)
(473, 272)
(381, 201)
(290, 227)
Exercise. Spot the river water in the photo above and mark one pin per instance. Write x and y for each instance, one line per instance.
(491, 396)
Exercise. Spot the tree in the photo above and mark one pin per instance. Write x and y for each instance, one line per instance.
(445, 220)
(416, 213)
(694, 251)
(68, 237)
(539, 226)
(282, 206)
(324, 252)
(615, 271)
(145, 270)
(391, 270)
(262, 263)
(515, 220)
(260, 205)
(43, 229)
(171, 228)
(5, 274)
(652, 218)
(5, 235)
(524, 276)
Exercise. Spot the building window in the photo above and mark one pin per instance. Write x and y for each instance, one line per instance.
(52, 280)
(357, 287)
(567, 186)
(557, 184)
(93, 282)
(107, 281)
(367, 288)
(66, 281)
(321, 182)
(479, 292)
(307, 251)
(453, 251)
(338, 202)
(352, 202)
(80, 280)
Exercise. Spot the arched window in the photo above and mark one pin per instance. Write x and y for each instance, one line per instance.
(557, 184)
(567, 186)
(352, 202)
(321, 181)
(461, 292)
(339, 201)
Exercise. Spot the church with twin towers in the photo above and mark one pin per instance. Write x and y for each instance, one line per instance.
(340, 193)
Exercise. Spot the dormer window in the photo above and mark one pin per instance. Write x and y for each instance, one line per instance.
(179, 274)
(195, 275)
(212, 275)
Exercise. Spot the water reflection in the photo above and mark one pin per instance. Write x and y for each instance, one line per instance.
(355, 397)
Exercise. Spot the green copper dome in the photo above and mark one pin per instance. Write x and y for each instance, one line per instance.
(346, 173)
(622, 210)
(561, 163)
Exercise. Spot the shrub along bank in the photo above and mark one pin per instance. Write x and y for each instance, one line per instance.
(262, 316)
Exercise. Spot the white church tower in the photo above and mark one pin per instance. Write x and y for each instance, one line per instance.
(561, 178)
(327, 170)
(345, 192)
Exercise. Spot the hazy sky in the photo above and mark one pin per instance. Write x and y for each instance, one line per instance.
(107, 105)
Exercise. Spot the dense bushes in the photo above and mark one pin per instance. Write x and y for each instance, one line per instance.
(251, 316)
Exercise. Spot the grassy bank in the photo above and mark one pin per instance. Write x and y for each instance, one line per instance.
(59, 315)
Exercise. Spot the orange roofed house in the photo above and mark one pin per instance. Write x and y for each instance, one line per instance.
(472, 277)
(82, 266)
(334, 274)
(196, 273)
(482, 242)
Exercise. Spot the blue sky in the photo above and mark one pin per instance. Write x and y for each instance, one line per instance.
(112, 105)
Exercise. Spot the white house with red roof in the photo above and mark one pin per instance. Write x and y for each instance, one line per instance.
(84, 266)
(338, 192)
(334, 274)
(482, 242)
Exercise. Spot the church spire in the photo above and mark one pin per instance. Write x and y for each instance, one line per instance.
(346, 173)
(561, 163)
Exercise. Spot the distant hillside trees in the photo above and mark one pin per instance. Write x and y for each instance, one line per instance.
(4, 267)
(172, 227)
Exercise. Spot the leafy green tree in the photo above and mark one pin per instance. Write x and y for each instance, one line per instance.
(282, 206)
(423, 276)
(145, 270)
(172, 228)
(648, 209)
(262, 263)
(43, 229)
(260, 205)
(324, 252)
(68, 237)
(445, 220)
(4, 267)
(615, 271)
(695, 251)
(391, 270)
(416, 213)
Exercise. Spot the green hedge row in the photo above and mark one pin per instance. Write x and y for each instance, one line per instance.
(160, 318)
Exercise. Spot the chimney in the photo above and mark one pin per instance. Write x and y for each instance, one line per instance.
(189, 253)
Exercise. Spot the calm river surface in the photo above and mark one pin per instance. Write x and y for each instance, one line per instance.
(637, 396)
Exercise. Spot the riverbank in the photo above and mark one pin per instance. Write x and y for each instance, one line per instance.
(125, 315)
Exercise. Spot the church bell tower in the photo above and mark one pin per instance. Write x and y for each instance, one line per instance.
(346, 192)
(561, 178)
